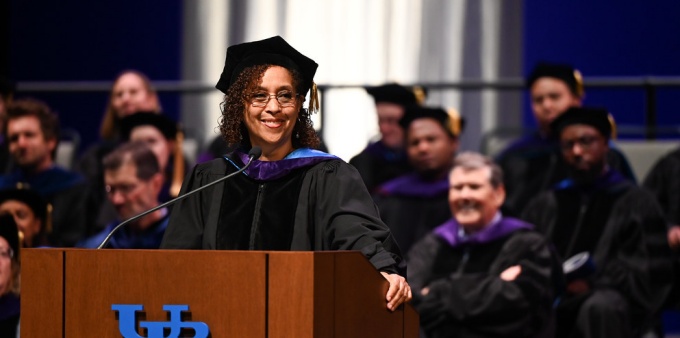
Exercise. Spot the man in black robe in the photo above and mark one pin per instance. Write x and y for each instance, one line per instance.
(32, 132)
(413, 204)
(597, 211)
(533, 164)
(481, 274)
(386, 159)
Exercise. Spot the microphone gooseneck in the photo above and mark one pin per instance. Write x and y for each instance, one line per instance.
(253, 154)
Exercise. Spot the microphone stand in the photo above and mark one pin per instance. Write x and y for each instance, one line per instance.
(254, 153)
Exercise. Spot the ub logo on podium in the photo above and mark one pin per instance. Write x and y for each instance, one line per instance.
(128, 328)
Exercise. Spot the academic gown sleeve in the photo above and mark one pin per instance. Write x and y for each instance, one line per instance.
(482, 304)
(345, 217)
(186, 226)
(636, 258)
(662, 181)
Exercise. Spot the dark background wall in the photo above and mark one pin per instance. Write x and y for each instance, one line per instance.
(92, 41)
(45, 40)
(605, 39)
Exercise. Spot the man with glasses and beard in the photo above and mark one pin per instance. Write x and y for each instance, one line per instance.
(597, 212)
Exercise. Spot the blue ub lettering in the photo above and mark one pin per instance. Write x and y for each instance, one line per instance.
(128, 328)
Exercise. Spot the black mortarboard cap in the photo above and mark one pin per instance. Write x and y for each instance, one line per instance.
(164, 124)
(598, 118)
(451, 121)
(393, 93)
(10, 232)
(571, 76)
(274, 50)
(29, 197)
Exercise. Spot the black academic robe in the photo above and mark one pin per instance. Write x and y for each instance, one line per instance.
(622, 228)
(467, 297)
(663, 181)
(324, 206)
(378, 164)
(412, 206)
(534, 164)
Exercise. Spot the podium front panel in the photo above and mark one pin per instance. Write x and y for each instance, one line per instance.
(225, 290)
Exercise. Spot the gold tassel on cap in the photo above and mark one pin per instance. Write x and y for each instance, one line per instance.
(579, 83)
(48, 219)
(419, 92)
(178, 165)
(454, 121)
(612, 123)
(314, 100)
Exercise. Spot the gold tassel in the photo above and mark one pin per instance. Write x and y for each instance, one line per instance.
(579, 83)
(48, 219)
(419, 92)
(178, 165)
(314, 105)
(454, 121)
(612, 123)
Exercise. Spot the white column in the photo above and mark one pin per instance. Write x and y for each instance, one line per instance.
(204, 50)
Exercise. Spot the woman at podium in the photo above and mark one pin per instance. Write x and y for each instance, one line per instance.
(292, 197)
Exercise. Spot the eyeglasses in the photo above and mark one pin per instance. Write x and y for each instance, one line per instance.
(285, 98)
(7, 253)
(121, 188)
(585, 142)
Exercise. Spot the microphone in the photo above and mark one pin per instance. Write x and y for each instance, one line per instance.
(253, 154)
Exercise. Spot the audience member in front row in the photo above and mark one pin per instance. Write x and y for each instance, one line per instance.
(31, 214)
(293, 197)
(413, 204)
(133, 182)
(10, 279)
(33, 134)
(533, 163)
(620, 226)
(159, 133)
(386, 159)
(481, 274)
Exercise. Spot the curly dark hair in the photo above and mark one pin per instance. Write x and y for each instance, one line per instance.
(236, 101)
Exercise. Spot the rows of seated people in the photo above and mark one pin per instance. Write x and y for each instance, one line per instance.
(553, 237)
(612, 245)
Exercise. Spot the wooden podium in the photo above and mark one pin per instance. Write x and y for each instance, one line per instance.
(70, 293)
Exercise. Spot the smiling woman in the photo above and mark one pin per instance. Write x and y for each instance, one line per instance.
(293, 197)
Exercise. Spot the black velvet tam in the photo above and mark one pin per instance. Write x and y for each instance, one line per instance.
(164, 124)
(568, 74)
(596, 117)
(453, 126)
(274, 50)
(393, 93)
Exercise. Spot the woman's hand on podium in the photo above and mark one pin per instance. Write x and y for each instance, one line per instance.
(399, 291)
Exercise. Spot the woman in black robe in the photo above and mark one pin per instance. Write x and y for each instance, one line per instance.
(294, 197)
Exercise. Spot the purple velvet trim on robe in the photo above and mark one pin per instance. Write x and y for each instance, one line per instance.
(413, 185)
(271, 170)
(449, 231)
